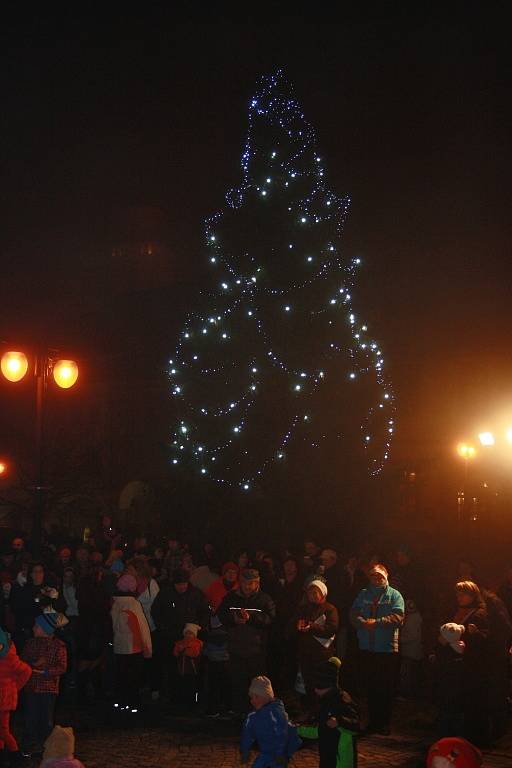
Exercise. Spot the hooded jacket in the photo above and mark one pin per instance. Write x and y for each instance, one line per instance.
(386, 606)
(131, 629)
(270, 728)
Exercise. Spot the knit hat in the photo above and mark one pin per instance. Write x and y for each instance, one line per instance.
(453, 752)
(179, 576)
(4, 642)
(326, 673)
(48, 622)
(250, 574)
(380, 569)
(452, 633)
(261, 686)
(320, 585)
(127, 583)
(230, 567)
(59, 744)
(194, 628)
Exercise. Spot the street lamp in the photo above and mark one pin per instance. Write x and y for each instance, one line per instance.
(14, 366)
(467, 452)
(486, 438)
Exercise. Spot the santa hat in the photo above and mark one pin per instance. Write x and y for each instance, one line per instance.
(454, 753)
(452, 633)
(59, 744)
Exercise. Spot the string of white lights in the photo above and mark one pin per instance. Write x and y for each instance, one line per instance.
(266, 288)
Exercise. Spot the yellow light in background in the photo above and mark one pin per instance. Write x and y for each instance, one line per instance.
(466, 451)
(486, 438)
(14, 365)
(3, 468)
(65, 373)
(508, 435)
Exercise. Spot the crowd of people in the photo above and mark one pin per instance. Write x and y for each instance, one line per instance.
(142, 624)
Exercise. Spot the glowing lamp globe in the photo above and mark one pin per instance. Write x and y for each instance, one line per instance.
(466, 451)
(65, 373)
(3, 468)
(14, 365)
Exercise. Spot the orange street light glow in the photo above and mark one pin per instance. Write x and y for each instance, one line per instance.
(14, 365)
(65, 373)
(486, 438)
(466, 451)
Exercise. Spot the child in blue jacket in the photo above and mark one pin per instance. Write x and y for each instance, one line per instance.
(269, 727)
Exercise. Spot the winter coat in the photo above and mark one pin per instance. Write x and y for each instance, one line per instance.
(386, 606)
(249, 639)
(189, 646)
(131, 630)
(171, 610)
(337, 746)
(270, 728)
(287, 604)
(462, 674)
(217, 591)
(216, 645)
(411, 646)
(474, 666)
(27, 602)
(94, 625)
(146, 599)
(318, 639)
(14, 673)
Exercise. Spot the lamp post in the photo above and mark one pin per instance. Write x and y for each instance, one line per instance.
(467, 452)
(14, 366)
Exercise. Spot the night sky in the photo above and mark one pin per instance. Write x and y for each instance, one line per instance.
(413, 117)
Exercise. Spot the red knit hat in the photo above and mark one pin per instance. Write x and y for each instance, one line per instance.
(453, 753)
(230, 567)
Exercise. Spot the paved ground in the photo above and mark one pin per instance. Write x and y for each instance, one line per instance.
(164, 742)
(154, 748)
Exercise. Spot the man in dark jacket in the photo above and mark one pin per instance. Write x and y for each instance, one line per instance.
(178, 603)
(247, 614)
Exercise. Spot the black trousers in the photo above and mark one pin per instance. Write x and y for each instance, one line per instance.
(129, 678)
(38, 714)
(378, 679)
(241, 672)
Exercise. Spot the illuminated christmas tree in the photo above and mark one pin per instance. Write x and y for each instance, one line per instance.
(277, 336)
